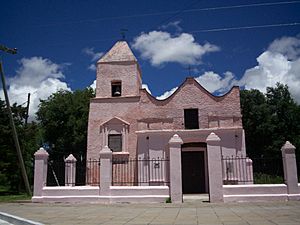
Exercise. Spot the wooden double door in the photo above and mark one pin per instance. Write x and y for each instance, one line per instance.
(193, 172)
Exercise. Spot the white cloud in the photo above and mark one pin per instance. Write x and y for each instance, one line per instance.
(91, 52)
(287, 46)
(160, 47)
(34, 70)
(94, 57)
(174, 24)
(146, 87)
(93, 85)
(38, 76)
(279, 63)
(167, 94)
(213, 82)
(92, 67)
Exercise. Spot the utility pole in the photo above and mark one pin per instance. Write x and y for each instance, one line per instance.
(12, 124)
(27, 109)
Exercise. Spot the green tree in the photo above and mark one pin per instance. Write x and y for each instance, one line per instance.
(63, 119)
(269, 120)
(285, 115)
(256, 122)
(10, 176)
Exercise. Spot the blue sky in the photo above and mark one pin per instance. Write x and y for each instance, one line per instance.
(59, 41)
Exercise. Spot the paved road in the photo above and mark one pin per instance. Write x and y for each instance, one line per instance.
(268, 213)
(2, 222)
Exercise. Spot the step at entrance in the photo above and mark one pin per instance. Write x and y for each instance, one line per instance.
(196, 198)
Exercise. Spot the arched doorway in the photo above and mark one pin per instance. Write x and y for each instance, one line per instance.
(194, 168)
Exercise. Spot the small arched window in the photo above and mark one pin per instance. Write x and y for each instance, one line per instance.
(115, 142)
(116, 88)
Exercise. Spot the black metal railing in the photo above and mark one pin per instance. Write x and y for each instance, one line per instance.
(56, 173)
(243, 170)
(268, 170)
(237, 170)
(139, 172)
(87, 173)
(298, 168)
(125, 172)
(92, 172)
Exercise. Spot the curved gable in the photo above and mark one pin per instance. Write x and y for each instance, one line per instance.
(191, 81)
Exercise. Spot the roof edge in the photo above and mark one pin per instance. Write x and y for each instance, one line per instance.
(216, 98)
(117, 118)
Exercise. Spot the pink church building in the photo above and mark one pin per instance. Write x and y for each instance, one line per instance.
(141, 149)
(134, 124)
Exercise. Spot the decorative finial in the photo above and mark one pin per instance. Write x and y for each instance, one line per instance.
(123, 33)
(189, 68)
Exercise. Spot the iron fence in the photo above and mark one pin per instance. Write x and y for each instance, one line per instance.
(243, 170)
(125, 172)
(140, 172)
(298, 168)
(237, 170)
(87, 173)
(92, 172)
(56, 173)
(268, 170)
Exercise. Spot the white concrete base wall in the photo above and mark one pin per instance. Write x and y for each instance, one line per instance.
(155, 194)
(71, 191)
(295, 196)
(91, 194)
(256, 192)
(139, 190)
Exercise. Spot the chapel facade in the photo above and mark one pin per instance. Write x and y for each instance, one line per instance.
(134, 124)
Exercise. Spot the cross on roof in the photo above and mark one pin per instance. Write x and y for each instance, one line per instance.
(189, 68)
(123, 33)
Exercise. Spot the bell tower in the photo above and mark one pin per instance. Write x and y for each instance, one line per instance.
(118, 73)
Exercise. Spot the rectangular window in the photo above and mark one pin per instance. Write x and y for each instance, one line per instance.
(115, 142)
(116, 88)
(191, 119)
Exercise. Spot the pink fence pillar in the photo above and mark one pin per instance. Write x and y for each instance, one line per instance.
(249, 171)
(290, 170)
(175, 169)
(40, 171)
(214, 162)
(70, 170)
(105, 170)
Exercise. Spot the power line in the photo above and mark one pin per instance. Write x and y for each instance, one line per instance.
(175, 14)
(170, 12)
(243, 6)
(220, 29)
(246, 27)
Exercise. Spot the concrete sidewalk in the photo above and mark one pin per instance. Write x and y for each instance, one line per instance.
(280, 213)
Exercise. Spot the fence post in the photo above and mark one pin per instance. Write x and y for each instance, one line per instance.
(249, 171)
(214, 162)
(70, 170)
(105, 170)
(40, 171)
(290, 170)
(175, 169)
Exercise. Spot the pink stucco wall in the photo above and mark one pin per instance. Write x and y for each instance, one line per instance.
(168, 113)
(126, 72)
(102, 110)
(152, 122)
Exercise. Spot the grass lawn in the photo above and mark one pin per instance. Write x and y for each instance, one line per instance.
(13, 198)
(7, 196)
